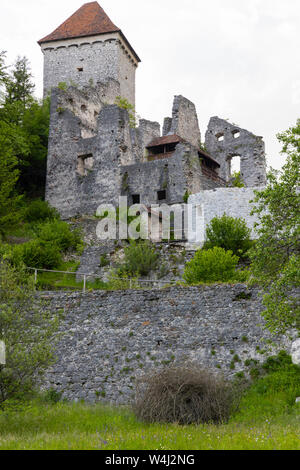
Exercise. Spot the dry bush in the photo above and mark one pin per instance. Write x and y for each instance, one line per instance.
(184, 395)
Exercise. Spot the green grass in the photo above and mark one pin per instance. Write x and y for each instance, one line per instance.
(82, 427)
(268, 419)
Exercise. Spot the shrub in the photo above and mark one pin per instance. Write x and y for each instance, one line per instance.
(59, 233)
(281, 361)
(274, 391)
(36, 254)
(124, 104)
(39, 211)
(120, 281)
(140, 258)
(184, 395)
(104, 261)
(237, 181)
(229, 233)
(215, 265)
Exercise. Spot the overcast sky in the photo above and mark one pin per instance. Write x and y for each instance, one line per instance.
(235, 59)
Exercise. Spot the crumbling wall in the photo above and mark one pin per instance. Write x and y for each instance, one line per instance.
(142, 136)
(87, 102)
(184, 121)
(225, 141)
(167, 126)
(83, 173)
(176, 176)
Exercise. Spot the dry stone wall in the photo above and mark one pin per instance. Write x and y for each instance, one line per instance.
(111, 338)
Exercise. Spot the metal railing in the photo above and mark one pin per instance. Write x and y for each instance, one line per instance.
(132, 282)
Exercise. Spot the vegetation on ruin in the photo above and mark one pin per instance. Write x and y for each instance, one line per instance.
(236, 181)
(123, 103)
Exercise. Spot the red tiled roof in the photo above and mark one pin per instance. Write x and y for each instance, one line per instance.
(165, 140)
(89, 20)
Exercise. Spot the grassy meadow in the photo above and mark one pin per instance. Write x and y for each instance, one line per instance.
(267, 419)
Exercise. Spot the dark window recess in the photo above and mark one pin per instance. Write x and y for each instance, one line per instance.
(80, 69)
(136, 199)
(161, 149)
(161, 195)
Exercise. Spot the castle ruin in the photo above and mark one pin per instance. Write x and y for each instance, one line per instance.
(96, 154)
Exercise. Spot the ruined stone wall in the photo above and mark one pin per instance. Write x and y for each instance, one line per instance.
(111, 338)
(184, 121)
(87, 61)
(95, 156)
(234, 202)
(146, 132)
(147, 178)
(87, 102)
(225, 141)
(83, 173)
(176, 175)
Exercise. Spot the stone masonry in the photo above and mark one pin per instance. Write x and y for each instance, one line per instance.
(104, 348)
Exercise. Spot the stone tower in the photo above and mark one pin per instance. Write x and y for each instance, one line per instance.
(87, 49)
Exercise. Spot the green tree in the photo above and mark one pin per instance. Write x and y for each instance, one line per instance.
(140, 258)
(28, 330)
(33, 165)
(275, 258)
(11, 143)
(3, 73)
(31, 119)
(19, 87)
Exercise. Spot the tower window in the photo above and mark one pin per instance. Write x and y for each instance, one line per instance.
(234, 163)
(136, 199)
(161, 195)
(220, 137)
(80, 69)
(85, 163)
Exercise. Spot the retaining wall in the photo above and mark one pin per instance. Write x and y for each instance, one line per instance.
(110, 338)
